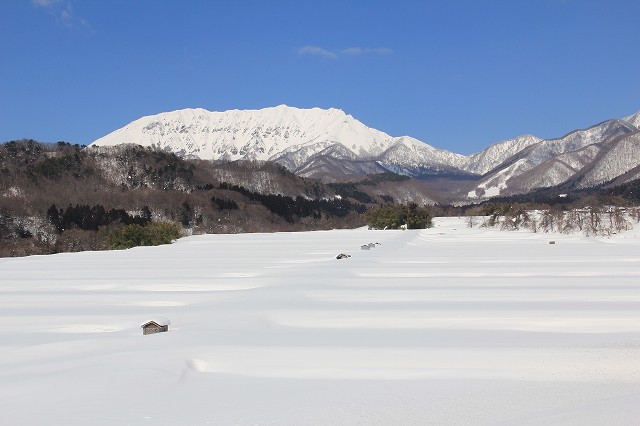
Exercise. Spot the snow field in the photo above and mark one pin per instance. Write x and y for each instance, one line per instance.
(442, 326)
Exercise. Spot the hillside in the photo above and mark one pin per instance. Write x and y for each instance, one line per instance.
(61, 197)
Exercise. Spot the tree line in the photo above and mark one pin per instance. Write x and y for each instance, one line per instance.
(290, 208)
(392, 216)
(92, 218)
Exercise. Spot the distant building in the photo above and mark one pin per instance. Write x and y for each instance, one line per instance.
(152, 327)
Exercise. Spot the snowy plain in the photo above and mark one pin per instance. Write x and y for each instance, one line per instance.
(448, 325)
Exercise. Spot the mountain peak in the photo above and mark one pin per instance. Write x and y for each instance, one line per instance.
(634, 120)
(248, 134)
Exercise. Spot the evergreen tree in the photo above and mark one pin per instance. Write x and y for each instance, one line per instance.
(395, 216)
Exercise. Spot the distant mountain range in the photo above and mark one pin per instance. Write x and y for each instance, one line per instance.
(332, 145)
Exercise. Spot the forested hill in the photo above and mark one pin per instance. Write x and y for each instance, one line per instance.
(61, 197)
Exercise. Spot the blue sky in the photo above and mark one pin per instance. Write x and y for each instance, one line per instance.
(459, 75)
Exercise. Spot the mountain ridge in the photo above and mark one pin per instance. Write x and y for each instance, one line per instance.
(330, 144)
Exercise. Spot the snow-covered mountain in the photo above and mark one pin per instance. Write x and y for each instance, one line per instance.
(409, 156)
(328, 143)
(290, 136)
(586, 158)
(250, 134)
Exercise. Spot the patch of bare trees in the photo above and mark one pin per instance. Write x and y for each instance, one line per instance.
(589, 221)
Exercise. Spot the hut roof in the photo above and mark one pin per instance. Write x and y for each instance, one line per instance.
(157, 320)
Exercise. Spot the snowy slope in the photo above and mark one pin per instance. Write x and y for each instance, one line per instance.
(493, 156)
(620, 158)
(443, 326)
(558, 169)
(248, 134)
(494, 184)
(634, 120)
(576, 140)
(409, 156)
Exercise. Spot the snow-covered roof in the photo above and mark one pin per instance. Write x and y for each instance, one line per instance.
(157, 320)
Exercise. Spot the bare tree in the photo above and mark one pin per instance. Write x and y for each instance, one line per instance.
(472, 221)
(594, 222)
(618, 220)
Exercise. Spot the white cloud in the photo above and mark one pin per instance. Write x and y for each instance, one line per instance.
(66, 16)
(62, 10)
(317, 51)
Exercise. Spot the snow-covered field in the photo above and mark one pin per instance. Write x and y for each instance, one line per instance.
(442, 326)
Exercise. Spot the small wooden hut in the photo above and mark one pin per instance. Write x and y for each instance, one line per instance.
(155, 326)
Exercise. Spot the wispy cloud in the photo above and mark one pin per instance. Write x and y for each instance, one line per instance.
(317, 51)
(350, 51)
(62, 10)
